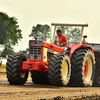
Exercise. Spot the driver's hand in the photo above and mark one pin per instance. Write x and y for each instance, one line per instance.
(62, 44)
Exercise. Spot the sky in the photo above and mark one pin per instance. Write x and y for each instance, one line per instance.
(32, 12)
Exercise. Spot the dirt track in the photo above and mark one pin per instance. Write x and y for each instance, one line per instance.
(2, 68)
(31, 91)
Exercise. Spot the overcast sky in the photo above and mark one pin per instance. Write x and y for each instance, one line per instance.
(32, 12)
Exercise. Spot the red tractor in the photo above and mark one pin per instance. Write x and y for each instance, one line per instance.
(52, 64)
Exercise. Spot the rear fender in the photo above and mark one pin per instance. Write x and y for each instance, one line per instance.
(78, 46)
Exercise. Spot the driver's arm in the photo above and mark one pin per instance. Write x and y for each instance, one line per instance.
(66, 42)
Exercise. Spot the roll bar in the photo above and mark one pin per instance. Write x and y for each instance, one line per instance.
(62, 24)
(66, 24)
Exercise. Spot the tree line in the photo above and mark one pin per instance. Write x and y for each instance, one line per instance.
(10, 33)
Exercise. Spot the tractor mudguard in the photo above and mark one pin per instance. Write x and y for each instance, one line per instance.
(78, 46)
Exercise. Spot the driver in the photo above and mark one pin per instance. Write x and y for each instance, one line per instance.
(62, 38)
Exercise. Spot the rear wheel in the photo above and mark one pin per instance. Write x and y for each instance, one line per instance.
(39, 78)
(18, 76)
(83, 68)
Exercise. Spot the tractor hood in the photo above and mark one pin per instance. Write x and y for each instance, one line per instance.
(39, 43)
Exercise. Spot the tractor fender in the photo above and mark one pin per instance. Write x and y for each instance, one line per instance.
(78, 46)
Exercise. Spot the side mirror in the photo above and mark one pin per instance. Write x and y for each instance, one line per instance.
(85, 36)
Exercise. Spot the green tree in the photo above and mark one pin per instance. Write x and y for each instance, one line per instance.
(72, 33)
(7, 52)
(38, 32)
(9, 30)
(0, 52)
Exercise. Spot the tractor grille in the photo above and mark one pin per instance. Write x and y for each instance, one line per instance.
(35, 52)
(35, 42)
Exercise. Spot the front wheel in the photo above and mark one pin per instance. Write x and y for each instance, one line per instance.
(61, 69)
(19, 77)
(9, 69)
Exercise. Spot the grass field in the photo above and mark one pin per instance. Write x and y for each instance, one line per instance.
(2, 71)
(3, 65)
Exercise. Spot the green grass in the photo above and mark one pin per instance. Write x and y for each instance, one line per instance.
(2, 71)
(3, 65)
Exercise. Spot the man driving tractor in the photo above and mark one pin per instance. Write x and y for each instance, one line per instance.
(62, 38)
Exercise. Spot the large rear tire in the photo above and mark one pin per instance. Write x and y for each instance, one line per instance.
(83, 68)
(61, 69)
(39, 78)
(18, 77)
